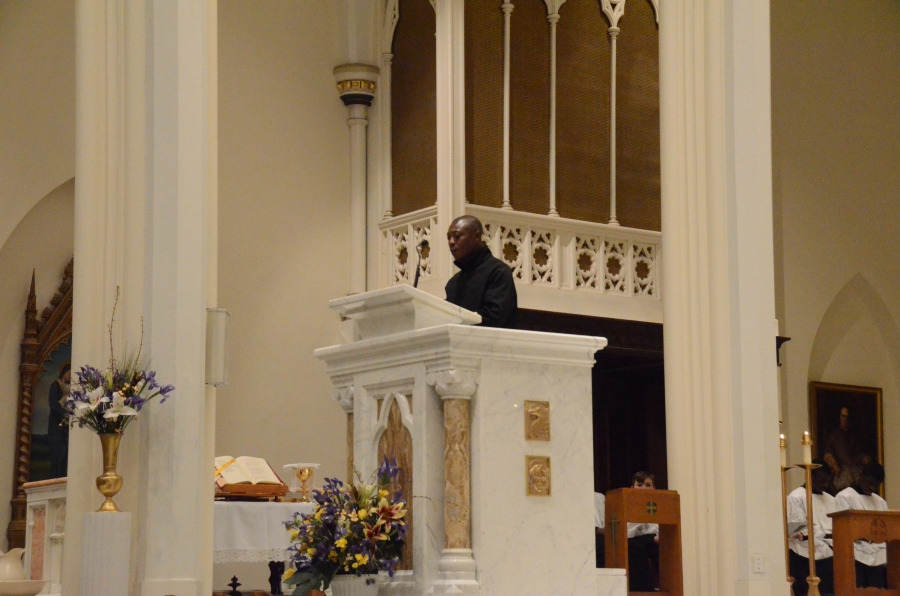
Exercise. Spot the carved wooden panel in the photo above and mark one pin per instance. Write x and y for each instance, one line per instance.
(42, 336)
(396, 442)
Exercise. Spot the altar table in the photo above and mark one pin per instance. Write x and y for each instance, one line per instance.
(249, 532)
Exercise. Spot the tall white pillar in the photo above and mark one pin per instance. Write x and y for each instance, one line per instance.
(110, 190)
(721, 392)
(356, 85)
(175, 520)
(145, 222)
(451, 126)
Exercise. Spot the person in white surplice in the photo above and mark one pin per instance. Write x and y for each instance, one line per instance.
(643, 546)
(823, 504)
(600, 528)
(871, 557)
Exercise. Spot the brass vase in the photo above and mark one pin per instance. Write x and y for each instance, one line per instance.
(109, 483)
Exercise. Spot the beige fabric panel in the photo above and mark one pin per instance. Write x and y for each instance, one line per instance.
(414, 109)
(484, 102)
(582, 126)
(638, 183)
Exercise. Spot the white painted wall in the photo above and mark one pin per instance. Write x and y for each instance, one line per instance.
(836, 146)
(42, 241)
(37, 104)
(284, 173)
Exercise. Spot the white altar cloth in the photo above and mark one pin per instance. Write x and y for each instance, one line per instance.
(247, 532)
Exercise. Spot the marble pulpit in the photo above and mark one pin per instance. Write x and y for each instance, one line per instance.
(493, 428)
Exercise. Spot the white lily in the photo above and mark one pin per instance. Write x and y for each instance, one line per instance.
(95, 398)
(118, 408)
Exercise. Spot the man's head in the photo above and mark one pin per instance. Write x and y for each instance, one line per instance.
(821, 477)
(464, 236)
(65, 373)
(845, 418)
(871, 478)
(642, 480)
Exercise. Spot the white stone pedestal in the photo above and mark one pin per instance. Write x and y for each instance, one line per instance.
(455, 396)
(106, 554)
(612, 582)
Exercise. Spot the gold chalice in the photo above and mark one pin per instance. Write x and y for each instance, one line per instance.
(304, 475)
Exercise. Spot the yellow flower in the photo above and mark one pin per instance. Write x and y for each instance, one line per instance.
(294, 534)
(288, 574)
(341, 544)
(383, 494)
(310, 551)
(332, 556)
(361, 560)
(363, 514)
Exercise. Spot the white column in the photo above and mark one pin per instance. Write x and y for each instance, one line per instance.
(174, 524)
(451, 126)
(553, 17)
(356, 85)
(109, 235)
(613, 9)
(387, 185)
(507, 8)
(721, 393)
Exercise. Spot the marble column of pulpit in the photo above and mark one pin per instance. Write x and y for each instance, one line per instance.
(494, 430)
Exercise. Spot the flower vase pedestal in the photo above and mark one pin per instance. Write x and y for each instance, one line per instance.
(493, 431)
(350, 585)
(106, 533)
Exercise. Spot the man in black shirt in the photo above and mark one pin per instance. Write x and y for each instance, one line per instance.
(484, 283)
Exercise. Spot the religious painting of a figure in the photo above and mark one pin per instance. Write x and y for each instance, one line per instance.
(49, 431)
(847, 429)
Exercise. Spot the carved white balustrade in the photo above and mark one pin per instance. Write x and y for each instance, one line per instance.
(554, 253)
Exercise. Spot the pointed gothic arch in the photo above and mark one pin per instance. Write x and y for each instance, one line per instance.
(856, 299)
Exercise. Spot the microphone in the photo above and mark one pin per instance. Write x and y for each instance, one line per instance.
(421, 245)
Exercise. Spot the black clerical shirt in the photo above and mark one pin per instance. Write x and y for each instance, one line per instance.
(485, 285)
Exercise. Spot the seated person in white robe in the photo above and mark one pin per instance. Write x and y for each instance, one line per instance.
(871, 558)
(643, 546)
(600, 528)
(823, 504)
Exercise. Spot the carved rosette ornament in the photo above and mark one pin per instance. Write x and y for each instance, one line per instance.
(456, 388)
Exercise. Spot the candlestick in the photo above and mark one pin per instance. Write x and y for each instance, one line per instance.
(783, 445)
(806, 441)
(812, 580)
(787, 559)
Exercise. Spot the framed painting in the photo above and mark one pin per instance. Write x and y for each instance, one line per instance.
(847, 428)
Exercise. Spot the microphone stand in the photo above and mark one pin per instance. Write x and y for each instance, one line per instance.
(423, 243)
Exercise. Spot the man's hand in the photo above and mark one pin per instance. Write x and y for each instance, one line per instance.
(832, 463)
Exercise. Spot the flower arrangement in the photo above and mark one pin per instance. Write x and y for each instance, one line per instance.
(106, 401)
(355, 529)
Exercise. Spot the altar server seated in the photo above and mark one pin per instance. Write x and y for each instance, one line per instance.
(823, 504)
(871, 558)
(600, 528)
(643, 546)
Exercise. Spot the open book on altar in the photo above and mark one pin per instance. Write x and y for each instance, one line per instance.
(247, 476)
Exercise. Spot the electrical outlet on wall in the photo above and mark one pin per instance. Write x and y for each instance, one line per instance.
(759, 563)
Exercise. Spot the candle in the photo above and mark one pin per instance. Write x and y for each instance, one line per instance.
(783, 445)
(806, 441)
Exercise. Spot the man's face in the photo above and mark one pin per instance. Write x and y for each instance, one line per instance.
(648, 483)
(67, 376)
(820, 480)
(463, 240)
(845, 418)
(868, 485)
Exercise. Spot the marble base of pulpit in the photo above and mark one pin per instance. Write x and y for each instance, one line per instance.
(493, 429)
